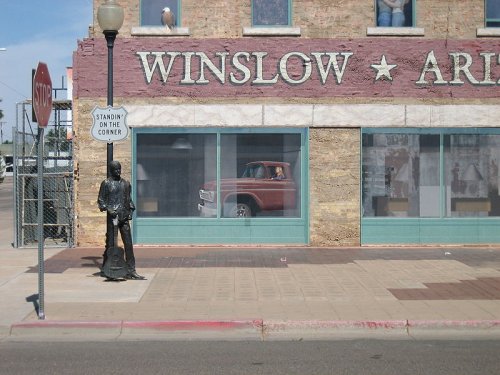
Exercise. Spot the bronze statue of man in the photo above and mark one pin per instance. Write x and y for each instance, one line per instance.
(115, 198)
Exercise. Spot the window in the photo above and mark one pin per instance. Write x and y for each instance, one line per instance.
(170, 170)
(471, 162)
(220, 185)
(271, 12)
(259, 175)
(151, 11)
(431, 175)
(492, 13)
(395, 13)
(400, 175)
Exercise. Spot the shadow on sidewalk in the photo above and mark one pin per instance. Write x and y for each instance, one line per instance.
(34, 298)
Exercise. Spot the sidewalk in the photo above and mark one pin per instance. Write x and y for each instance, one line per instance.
(260, 293)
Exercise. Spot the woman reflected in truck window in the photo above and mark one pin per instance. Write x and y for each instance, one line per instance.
(278, 174)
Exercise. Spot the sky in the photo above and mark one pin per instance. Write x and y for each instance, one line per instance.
(32, 31)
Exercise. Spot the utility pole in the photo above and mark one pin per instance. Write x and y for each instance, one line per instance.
(1, 131)
(2, 49)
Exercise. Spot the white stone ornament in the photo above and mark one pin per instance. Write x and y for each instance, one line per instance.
(383, 69)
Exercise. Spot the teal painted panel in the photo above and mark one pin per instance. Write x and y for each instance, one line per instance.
(390, 231)
(489, 231)
(430, 231)
(248, 231)
(449, 231)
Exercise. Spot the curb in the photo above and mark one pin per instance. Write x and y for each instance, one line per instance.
(331, 329)
(383, 329)
(193, 329)
(481, 329)
(51, 329)
(256, 329)
(127, 330)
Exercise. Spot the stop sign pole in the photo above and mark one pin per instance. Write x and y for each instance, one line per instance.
(42, 106)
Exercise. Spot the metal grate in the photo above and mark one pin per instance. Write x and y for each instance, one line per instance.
(58, 223)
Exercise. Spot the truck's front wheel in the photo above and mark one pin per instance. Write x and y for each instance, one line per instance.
(241, 210)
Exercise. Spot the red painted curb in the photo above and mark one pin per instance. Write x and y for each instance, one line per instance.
(67, 324)
(177, 325)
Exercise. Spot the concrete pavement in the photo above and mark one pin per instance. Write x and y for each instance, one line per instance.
(256, 293)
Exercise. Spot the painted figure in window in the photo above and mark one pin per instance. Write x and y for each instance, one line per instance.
(278, 174)
(384, 14)
(398, 15)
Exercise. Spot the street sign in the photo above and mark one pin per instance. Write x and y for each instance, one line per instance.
(42, 106)
(42, 94)
(109, 124)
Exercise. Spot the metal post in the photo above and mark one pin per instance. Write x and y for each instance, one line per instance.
(1, 131)
(41, 259)
(110, 39)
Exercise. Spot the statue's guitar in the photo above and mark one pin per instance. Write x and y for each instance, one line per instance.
(115, 267)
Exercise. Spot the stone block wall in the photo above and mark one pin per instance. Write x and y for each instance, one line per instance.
(450, 19)
(316, 18)
(90, 170)
(334, 191)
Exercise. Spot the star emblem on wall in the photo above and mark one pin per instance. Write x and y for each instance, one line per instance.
(383, 69)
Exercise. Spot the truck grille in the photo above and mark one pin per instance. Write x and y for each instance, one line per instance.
(207, 195)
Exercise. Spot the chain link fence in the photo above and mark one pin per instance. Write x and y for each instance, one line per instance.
(58, 214)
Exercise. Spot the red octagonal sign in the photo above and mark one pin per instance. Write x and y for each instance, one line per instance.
(42, 94)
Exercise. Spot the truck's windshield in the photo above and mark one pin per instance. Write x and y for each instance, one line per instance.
(254, 171)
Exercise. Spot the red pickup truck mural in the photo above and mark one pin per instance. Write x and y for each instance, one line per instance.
(264, 186)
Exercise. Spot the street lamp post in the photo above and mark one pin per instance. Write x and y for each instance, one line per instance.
(110, 17)
(2, 49)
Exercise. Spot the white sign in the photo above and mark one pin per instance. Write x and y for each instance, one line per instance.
(109, 124)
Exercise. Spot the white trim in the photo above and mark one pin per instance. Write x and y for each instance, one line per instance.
(159, 31)
(227, 115)
(487, 31)
(271, 31)
(288, 115)
(357, 115)
(395, 31)
(313, 115)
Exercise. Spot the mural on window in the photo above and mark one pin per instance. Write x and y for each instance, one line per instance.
(471, 162)
(401, 175)
(492, 13)
(151, 11)
(394, 13)
(176, 175)
(260, 175)
(170, 170)
(270, 12)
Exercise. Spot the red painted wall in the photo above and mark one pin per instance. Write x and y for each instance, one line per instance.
(359, 79)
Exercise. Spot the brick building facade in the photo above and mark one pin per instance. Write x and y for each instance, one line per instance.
(373, 120)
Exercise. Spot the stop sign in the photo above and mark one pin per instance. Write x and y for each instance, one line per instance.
(42, 94)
